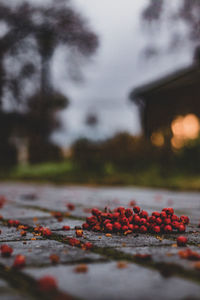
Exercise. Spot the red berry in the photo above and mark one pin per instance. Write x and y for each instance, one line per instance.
(103, 216)
(143, 221)
(136, 209)
(125, 228)
(121, 210)
(167, 221)
(11, 223)
(136, 219)
(16, 223)
(156, 214)
(117, 226)
(88, 245)
(96, 227)
(181, 241)
(174, 218)
(130, 219)
(70, 206)
(47, 284)
(168, 228)
(128, 212)
(135, 228)
(85, 226)
(19, 261)
(91, 220)
(152, 219)
(132, 203)
(107, 221)
(65, 227)
(109, 227)
(170, 211)
(181, 228)
(143, 214)
(175, 224)
(156, 229)
(116, 215)
(163, 215)
(46, 232)
(124, 221)
(74, 242)
(147, 224)
(184, 219)
(143, 229)
(6, 250)
(95, 212)
(130, 227)
(159, 221)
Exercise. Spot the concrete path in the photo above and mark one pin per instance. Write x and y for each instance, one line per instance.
(109, 270)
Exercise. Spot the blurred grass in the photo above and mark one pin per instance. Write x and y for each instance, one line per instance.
(68, 173)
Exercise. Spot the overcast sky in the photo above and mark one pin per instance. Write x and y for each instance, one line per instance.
(117, 67)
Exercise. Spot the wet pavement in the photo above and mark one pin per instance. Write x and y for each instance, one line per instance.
(110, 269)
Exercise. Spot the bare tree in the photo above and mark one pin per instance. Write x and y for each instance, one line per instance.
(186, 12)
(39, 30)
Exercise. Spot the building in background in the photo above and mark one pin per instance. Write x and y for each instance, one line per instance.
(170, 107)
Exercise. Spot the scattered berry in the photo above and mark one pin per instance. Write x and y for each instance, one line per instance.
(47, 284)
(70, 206)
(181, 241)
(6, 250)
(65, 227)
(79, 232)
(54, 258)
(19, 262)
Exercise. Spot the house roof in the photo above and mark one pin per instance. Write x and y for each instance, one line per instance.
(184, 77)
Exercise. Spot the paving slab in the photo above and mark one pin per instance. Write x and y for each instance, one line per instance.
(38, 253)
(12, 211)
(163, 254)
(11, 234)
(54, 197)
(106, 281)
(52, 223)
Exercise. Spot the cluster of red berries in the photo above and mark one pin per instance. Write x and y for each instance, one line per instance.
(135, 220)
